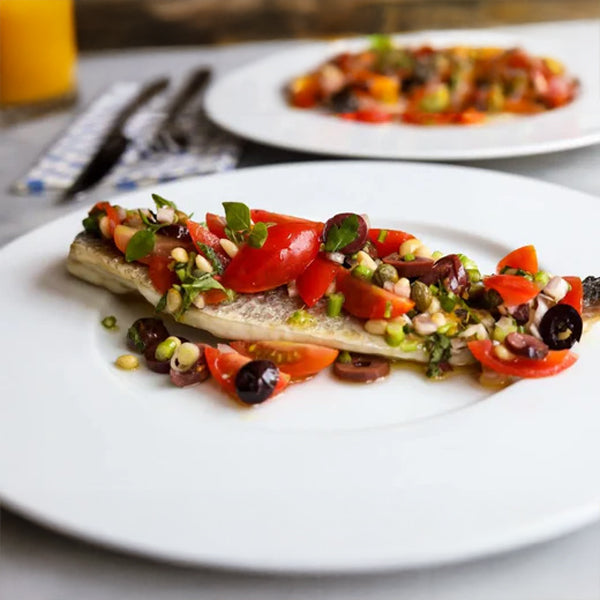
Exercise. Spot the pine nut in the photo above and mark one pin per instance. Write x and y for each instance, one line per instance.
(364, 259)
(203, 265)
(127, 362)
(179, 255)
(229, 247)
(409, 246)
(376, 326)
(174, 300)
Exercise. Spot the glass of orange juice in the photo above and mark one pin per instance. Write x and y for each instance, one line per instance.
(37, 52)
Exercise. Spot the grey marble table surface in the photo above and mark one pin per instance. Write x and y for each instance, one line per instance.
(37, 563)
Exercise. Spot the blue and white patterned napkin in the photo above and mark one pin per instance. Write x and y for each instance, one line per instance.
(210, 149)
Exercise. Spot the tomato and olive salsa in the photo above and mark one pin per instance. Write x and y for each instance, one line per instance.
(517, 322)
(427, 86)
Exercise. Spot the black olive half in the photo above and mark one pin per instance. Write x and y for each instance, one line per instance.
(256, 380)
(361, 234)
(561, 327)
(145, 332)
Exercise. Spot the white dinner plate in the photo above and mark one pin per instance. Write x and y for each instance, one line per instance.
(328, 477)
(250, 102)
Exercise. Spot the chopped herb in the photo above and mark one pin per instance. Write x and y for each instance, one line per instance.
(212, 258)
(340, 236)
(109, 322)
(161, 304)
(439, 350)
(163, 202)
(301, 318)
(448, 300)
(237, 215)
(382, 235)
(258, 235)
(91, 225)
(140, 245)
(335, 302)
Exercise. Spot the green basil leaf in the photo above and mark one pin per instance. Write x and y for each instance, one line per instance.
(140, 245)
(339, 236)
(258, 235)
(212, 257)
(163, 202)
(91, 225)
(439, 348)
(237, 216)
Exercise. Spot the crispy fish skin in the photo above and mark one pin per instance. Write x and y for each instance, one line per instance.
(262, 316)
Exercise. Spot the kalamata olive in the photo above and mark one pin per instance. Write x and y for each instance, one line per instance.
(526, 345)
(158, 366)
(409, 268)
(561, 327)
(362, 368)
(198, 373)
(361, 235)
(450, 271)
(176, 232)
(256, 380)
(145, 332)
(521, 313)
(344, 101)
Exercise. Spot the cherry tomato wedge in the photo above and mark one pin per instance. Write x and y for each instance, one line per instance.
(289, 247)
(388, 241)
(224, 366)
(216, 224)
(266, 216)
(297, 360)
(203, 235)
(368, 301)
(555, 362)
(367, 115)
(514, 289)
(314, 281)
(161, 276)
(524, 258)
(574, 296)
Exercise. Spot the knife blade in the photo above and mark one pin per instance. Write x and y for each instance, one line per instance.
(168, 134)
(114, 142)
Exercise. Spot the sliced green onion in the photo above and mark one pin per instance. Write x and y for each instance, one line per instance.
(409, 257)
(344, 357)
(437, 254)
(503, 327)
(409, 345)
(334, 304)
(387, 313)
(109, 322)
(394, 334)
(445, 329)
(542, 278)
(362, 272)
(382, 235)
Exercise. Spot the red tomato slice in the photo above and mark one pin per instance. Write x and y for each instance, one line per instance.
(297, 360)
(224, 366)
(314, 281)
(266, 216)
(286, 252)
(368, 301)
(203, 235)
(574, 297)
(388, 241)
(216, 224)
(161, 277)
(555, 362)
(214, 297)
(524, 258)
(162, 246)
(514, 289)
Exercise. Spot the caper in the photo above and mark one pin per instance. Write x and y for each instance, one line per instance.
(383, 273)
(421, 294)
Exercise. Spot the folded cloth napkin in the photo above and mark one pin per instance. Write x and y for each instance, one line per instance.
(210, 149)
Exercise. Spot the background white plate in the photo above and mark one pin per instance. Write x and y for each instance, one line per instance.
(328, 477)
(250, 102)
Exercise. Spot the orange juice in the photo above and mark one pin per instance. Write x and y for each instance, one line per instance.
(37, 50)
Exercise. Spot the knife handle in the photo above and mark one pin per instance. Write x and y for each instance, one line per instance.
(193, 84)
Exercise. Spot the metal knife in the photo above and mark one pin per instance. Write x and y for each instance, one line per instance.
(114, 142)
(168, 135)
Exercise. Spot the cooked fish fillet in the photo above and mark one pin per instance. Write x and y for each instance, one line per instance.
(262, 316)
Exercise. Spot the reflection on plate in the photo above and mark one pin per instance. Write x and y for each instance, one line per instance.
(327, 477)
(251, 103)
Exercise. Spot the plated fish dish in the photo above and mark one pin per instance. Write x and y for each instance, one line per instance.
(423, 85)
(295, 296)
